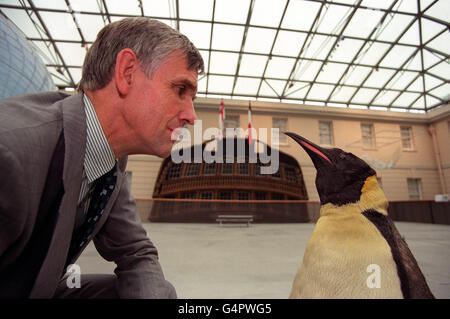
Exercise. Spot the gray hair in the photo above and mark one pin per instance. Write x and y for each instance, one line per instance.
(151, 40)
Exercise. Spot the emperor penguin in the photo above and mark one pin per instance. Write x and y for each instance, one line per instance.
(355, 250)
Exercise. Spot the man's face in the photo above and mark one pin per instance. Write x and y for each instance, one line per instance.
(160, 104)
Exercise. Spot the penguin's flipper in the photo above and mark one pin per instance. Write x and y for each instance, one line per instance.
(413, 283)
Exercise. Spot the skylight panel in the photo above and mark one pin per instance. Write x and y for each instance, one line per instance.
(300, 15)
(129, 7)
(431, 82)
(50, 4)
(443, 91)
(417, 85)
(157, 8)
(379, 78)
(415, 63)
(430, 29)
(227, 37)
(298, 91)
(47, 54)
(318, 47)
(386, 97)
(440, 10)
(72, 53)
(419, 104)
(22, 21)
(441, 43)
(345, 50)
(269, 86)
(356, 75)
(267, 12)
(331, 72)
(397, 56)
(430, 59)
(364, 96)
(259, 40)
(320, 91)
(333, 19)
(306, 70)
(431, 101)
(220, 84)
(90, 25)
(81, 5)
(442, 70)
(246, 86)
(201, 85)
(401, 80)
(60, 26)
(76, 74)
(223, 62)
(406, 6)
(279, 67)
(342, 93)
(252, 65)
(198, 9)
(205, 56)
(377, 4)
(412, 35)
(406, 99)
(372, 53)
(233, 11)
(393, 27)
(363, 22)
(198, 32)
(289, 43)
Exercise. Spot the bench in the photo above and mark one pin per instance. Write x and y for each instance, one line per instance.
(235, 219)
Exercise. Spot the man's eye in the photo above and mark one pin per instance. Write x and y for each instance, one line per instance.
(181, 90)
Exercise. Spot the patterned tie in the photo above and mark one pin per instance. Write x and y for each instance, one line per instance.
(100, 196)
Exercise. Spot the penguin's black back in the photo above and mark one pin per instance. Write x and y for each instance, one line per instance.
(412, 281)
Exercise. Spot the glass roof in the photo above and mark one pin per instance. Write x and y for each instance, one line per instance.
(379, 54)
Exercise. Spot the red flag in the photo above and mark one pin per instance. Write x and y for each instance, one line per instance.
(249, 123)
(221, 117)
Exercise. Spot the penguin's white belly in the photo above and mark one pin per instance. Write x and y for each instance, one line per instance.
(347, 257)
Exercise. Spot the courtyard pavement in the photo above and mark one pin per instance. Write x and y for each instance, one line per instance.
(238, 262)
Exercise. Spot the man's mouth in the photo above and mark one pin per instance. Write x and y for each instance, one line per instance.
(175, 133)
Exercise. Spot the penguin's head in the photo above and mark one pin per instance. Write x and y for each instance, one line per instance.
(340, 175)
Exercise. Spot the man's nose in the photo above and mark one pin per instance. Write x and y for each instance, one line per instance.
(188, 115)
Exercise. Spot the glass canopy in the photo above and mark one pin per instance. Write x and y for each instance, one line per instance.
(376, 54)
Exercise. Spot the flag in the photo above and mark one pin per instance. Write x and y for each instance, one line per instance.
(249, 123)
(221, 117)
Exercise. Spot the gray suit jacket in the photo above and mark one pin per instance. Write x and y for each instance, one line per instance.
(30, 126)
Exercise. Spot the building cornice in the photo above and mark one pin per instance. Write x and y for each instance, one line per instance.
(301, 110)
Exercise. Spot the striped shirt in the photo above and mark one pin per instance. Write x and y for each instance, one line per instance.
(99, 159)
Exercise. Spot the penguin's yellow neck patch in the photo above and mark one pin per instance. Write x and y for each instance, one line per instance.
(372, 197)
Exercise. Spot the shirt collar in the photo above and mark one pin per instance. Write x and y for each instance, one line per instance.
(99, 158)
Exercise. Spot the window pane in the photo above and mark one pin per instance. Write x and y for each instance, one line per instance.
(227, 168)
(193, 169)
(368, 138)
(414, 188)
(289, 172)
(325, 132)
(406, 134)
(206, 195)
(281, 124)
(209, 169)
(174, 171)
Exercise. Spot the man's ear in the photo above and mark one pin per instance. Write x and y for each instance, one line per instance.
(126, 64)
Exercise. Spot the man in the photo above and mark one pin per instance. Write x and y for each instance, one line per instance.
(63, 162)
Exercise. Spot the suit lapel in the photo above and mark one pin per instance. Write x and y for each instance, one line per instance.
(74, 126)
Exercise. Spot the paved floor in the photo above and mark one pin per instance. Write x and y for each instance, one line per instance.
(260, 261)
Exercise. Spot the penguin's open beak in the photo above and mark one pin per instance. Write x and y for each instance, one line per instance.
(317, 154)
